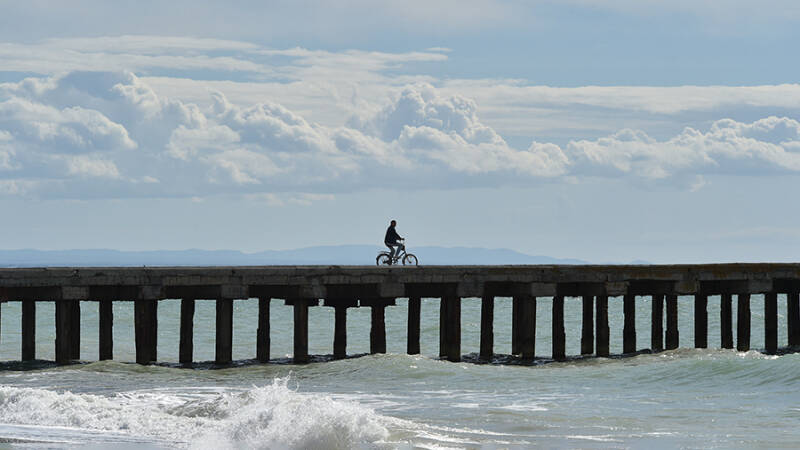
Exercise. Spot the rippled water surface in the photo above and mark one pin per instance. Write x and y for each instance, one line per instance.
(681, 398)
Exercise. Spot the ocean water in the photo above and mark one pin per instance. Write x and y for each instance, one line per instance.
(682, 398)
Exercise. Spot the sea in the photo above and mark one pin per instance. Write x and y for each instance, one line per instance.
(684, 398)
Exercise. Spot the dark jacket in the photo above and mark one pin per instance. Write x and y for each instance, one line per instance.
(391, 236)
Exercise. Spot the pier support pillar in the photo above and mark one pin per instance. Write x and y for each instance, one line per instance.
(63, 331)
(771, 322)
(106, 330)
(559, 336)
(224, 338)
(340, 332)
(28, 330)
(528, 327)
(629, 327)
(262, 332)
(601, 319)
(487, 328)
(793, 318)
(587, 329)
(300, 331)
(75, 329)
(414, 307)
(672, 322)
(377, 332)
(186, 344)
(450, 328)
(700, 320)
(657, 323)
(146, 329)
(516, 303)
(726, 320)
(743, 322)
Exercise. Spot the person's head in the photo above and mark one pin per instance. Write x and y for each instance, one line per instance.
(394, 222)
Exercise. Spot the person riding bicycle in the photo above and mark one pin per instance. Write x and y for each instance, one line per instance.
(391, 241)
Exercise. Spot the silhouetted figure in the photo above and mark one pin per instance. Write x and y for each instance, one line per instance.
(391, 240)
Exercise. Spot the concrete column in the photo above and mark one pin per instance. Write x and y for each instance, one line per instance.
(528, 328)
(414, 307)
(559, 336)
(340, 332)
(224, 354)
(146, 329)
(154, 330)
(106, 329)
(450, 328)
(443, 327)
(63, 331)
(629, 327)
(487, 328)
(743, 322)
(28, 330)
(657, 323)
(726, 320)
(587, 330)
(793, 318)
(262, 333)
(75, 329)
(186, 345)
(672, 322)
(377, 333)
(300, 331)
(700, 320)
(516, 303)
(771, 322)
(601, 319)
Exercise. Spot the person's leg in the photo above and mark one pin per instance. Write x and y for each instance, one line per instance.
(391, 251)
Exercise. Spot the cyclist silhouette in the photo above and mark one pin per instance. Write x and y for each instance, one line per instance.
(391, 240)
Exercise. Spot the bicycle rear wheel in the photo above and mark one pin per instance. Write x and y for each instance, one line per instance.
(383, 259)
(410, 260)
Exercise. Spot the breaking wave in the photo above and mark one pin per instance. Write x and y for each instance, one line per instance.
(272, 416)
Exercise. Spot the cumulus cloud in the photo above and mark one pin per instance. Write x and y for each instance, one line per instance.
(728, 147)
(108, 134)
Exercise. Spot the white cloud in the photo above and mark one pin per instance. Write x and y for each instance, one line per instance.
(729, 147)
(110, 134)
(85, 165)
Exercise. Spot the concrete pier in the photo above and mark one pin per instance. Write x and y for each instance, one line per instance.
(414, 312)
(186, 343)
(672, 337)
(657, 323)
(601, 319)
(559, 336)
(743, 322)
(629, 328)
(262, 330)
(106, 330)
(701, 320)
(587, 327)
(378, 288)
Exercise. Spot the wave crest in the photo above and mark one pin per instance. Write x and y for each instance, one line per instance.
(261, 417)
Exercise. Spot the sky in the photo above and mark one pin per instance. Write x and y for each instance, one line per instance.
(608, 131)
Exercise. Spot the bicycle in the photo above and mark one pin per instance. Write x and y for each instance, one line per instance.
(408, 259)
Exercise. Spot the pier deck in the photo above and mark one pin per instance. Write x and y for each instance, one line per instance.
(343, 287)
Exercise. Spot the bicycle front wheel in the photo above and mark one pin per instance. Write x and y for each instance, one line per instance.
(410, 260)
(383, 259)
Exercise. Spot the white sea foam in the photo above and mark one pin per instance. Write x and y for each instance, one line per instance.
(262, 417)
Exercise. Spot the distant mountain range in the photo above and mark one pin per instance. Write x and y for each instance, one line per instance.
(322, 255)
